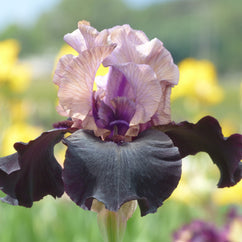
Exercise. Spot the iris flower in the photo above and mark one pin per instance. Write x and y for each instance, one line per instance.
(122, 144)
(199, 230)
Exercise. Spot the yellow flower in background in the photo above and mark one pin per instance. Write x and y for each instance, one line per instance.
(13, 111)
(228, 127)
(18, 132)
(187, 190)
(19, 110)
(9, 50)
(65, 50)
(228, 195)
(198, 80)
(19, 78)
(13, 74)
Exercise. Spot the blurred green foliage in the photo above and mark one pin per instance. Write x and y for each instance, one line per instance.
(188, 28)
(63, 221)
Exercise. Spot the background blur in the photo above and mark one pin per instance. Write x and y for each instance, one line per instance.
(204, 38)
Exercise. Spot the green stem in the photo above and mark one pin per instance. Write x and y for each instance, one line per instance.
(112, 225)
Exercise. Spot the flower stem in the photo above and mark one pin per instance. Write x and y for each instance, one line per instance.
(112, 225)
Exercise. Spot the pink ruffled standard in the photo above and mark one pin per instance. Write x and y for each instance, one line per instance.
(141, 74)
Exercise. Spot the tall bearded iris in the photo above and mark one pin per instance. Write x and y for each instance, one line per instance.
(123, 145)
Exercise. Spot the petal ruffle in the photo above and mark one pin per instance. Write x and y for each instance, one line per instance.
(119, 33)
(76, 40)
(32, 172)
(130, 48)
(153, 53)
(206, 135)
(147, 169)
(76, 87)
(86, 37)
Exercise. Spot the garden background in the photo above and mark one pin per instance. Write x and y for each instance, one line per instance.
(204, 38)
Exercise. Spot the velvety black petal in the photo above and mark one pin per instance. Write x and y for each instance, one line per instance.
(147, 169)
(206, 135)
(8, 176)
(9, 163)
(32, 172)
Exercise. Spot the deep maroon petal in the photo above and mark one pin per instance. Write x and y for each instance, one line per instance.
(9, 164)
(147, 169)
(32, 172)
(206, 135)
(9, 175)
(63, 124)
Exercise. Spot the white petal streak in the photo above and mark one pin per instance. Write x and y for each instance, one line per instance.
(76, 87)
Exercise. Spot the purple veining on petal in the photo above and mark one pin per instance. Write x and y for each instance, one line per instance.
(124, 108)
(121, 88)
(114, 117)
(102, 113)
(120, 125)
(118, 85)
(141, 87)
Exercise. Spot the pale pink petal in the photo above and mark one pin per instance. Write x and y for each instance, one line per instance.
(134, 46)
(101, 81)
(153, 53)
(133, 131)
(91, 36)
(61, 111)
(88, 32)
(163, 113)
(124, 53)
(76, 87)
(102, 38)
(76, 41)
(86, 37)
(60, 68)
(136, 36)
(139, 84)
(126, 39)
(87, 123)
